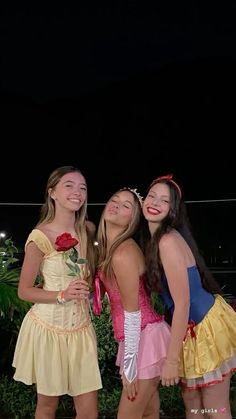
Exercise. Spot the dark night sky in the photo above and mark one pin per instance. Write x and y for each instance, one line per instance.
(122, 76)
(127, 74)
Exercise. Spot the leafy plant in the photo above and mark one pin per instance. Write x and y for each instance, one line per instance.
(9, 279)
(12, 309)
(157, 303)
(17, 399)
(107, 346)
(171, 401)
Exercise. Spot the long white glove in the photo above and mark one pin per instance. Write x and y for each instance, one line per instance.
(132, 330)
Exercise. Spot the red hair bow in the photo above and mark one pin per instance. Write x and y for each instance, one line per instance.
(168, 177)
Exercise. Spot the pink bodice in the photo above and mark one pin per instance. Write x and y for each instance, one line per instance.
(148, 314)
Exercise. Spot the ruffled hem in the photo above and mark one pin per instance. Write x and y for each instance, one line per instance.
(211, 378)
(58, 363)
(209, 353)
(154, 341)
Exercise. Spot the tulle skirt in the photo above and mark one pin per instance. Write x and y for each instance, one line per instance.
(154, 341)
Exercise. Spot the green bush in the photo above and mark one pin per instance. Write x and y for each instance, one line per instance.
(107, 349)
(107, 346)
(17, 399)
(171, 401)
(12, 309)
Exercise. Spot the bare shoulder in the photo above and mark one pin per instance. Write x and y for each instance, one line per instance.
(172, 247)
(91, 227)
(33, 254)
(127, 251)
(128, 260)
(168, 240)
(48, 231)
(171, 243)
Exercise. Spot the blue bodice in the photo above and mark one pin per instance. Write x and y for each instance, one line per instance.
(200, 300)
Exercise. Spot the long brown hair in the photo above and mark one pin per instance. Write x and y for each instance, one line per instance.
(177, 219)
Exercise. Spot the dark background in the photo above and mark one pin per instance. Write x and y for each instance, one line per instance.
(125, 92)
(132, 90)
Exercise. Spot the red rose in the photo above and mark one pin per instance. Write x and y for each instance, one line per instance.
(65, 242)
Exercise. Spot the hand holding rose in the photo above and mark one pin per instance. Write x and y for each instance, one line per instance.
(77, 289)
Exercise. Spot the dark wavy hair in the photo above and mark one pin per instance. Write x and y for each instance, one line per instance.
(177, 219)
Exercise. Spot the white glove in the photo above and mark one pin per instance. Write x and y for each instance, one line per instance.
(132, 330)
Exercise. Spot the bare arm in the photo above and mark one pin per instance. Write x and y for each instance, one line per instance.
(30, 269)
(91, 227)
(128, 264)
(172, 257)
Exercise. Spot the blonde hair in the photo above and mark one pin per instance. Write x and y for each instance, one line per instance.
(105, 255)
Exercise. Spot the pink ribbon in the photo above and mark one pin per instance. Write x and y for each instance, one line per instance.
(97, 305)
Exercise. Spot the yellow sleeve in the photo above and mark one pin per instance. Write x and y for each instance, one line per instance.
(41, 240)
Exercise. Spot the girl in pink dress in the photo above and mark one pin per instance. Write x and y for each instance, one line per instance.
(142, 334)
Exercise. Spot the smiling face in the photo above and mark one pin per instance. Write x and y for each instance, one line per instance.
(70, 192)
(157, 204)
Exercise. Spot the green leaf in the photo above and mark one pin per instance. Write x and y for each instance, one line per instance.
(71, 266)
(73, 255)
(10, 277)
(11, 307)
(82, 261)
(77, 269)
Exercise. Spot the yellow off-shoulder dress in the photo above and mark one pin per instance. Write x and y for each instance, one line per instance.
(56, 346)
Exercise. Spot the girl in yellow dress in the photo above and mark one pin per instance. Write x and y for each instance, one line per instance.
(56, 346)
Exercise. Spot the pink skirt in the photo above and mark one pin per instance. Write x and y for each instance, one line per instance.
(154, 341)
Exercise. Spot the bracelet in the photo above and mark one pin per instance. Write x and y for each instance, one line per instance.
(61, 297)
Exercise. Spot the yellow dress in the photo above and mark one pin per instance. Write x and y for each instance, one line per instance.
(208, 352)
(56, 346)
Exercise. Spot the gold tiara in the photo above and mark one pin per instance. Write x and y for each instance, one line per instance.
(135, 192)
